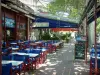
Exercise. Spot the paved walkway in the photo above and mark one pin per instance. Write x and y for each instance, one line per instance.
(62, 63)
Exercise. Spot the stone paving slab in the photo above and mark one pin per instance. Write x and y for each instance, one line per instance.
(62, 63)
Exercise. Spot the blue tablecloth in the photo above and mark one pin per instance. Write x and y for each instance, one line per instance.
(14, 63)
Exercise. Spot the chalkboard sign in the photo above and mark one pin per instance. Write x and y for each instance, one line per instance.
(80, 50)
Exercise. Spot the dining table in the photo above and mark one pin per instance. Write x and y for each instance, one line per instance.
(31, 55)
(13, 62)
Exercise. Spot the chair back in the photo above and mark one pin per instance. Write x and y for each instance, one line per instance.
(6, 69)
(4, 44)
(6, 57)
(22, 51)
(18, 57)
(4, 50)
(36, 51)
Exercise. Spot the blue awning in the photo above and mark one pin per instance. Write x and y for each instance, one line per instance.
(55, 23)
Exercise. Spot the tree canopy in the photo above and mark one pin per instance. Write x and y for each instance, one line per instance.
(98, 26)
(73, 7)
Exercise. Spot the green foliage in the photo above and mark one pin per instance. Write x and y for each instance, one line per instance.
(98, 26)
(63, 37)
(98, 21)
(47, 36)
(73, 7)
(69, 34)
(54, 37)
(66, 37)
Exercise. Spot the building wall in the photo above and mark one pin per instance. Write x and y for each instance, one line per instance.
(22, 22)
(20, 19)
(34, 35)
(9, 14)
(91, 34)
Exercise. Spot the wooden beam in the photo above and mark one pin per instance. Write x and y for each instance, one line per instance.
(86, 38)
(95, 44)
(0, 42)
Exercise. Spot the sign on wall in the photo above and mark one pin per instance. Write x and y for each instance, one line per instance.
(41, 24)
(9, 22)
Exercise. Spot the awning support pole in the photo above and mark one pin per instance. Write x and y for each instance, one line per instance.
(0, 42)
(86, 38)
(95, 44)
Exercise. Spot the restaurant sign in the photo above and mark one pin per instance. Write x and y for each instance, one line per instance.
(41, 24)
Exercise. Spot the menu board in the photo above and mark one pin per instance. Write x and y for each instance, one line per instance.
(80, 50)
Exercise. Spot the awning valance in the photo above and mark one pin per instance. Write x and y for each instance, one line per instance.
(55, 23)
(64, 29)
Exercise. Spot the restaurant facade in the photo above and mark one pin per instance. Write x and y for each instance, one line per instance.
(15, 25)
